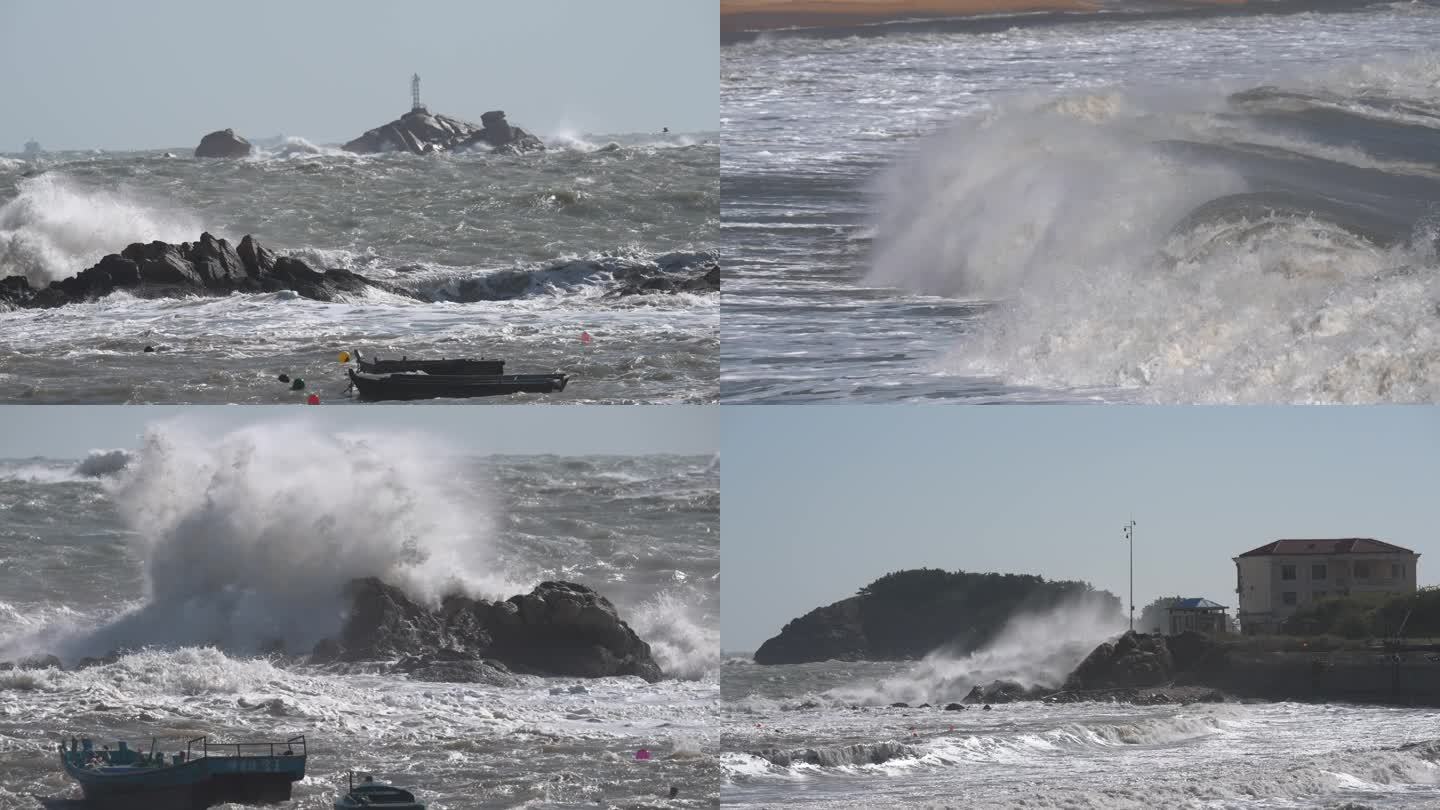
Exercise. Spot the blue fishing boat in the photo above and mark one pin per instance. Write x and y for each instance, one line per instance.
(203, 775)
(369, 793)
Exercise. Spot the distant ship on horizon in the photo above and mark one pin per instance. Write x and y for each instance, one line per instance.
(33, 148)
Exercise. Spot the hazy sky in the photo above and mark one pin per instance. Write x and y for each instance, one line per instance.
(144, 74)
(821, 500)
(72, 431)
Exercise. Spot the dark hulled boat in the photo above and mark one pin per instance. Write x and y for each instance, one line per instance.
(203, 776)
(430, 386)
(403, 365)
(370, 793)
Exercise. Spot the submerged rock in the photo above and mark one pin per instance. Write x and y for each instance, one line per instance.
(559, 628)
(33, 662)
(419, 132)
(223, 143)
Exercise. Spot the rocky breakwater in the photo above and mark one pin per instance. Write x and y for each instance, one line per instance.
(419, 132)
(1139, 667)
(209, 266)
(223, 143)
(559, 628)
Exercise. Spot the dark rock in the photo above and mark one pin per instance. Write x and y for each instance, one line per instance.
(559, 628)
(223, 143)
(210, 266)
(954, 707)
(1003, 692)
(1132, 660)
(419, 132)
(900, 705)
(568, 629)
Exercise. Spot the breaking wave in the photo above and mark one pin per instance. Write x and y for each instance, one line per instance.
(247, 538)
(684, 642)
(1267, 245)
(53, 228)
(1032, 650)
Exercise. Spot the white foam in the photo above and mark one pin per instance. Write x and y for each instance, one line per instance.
(249, 536)
(1032, 650)
(56, 227)
(684, 641)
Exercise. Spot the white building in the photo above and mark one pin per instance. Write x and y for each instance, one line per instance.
(1276, 579)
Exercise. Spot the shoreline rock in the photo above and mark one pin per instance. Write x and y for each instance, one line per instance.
(223, 143)
(207, 266)
(557, 629)
(211, 266)
(421, 133)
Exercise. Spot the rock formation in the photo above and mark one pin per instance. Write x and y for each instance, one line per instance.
(559, 628)
(419, 132)
(222, 143)
(209, 265)
(828, 633)
(212, 267)
(907, 614)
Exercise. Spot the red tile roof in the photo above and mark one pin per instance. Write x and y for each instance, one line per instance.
(1342, 545)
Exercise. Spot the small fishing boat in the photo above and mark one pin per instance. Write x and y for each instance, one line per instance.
(375, 387)
(369, 793)
(203, 775)
(404, 364)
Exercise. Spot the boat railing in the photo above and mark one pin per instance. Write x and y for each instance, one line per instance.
(201, 746)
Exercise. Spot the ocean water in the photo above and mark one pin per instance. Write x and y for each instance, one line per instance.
(194, 549)
(423, 222)
(1133, 207)
(1106, 756)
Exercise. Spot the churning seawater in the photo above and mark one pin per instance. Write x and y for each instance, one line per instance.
(90, 554)
(1231, 207)
(423, 222)
(853, 751)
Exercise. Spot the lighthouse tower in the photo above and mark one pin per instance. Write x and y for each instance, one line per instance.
(415, 105)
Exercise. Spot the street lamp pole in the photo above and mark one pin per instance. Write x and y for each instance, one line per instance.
(1130, 536)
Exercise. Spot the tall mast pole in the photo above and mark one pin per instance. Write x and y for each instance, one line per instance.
(1130, 535)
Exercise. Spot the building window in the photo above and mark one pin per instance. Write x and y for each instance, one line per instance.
(1318, 572)
(1362, 570)
(1397, 570)
(1288, 597)
(1318, 595)
(1287, 572)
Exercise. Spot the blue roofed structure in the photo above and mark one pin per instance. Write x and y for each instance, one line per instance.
(1198, 614)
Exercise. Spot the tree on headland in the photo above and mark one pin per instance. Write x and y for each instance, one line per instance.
(1155, 617)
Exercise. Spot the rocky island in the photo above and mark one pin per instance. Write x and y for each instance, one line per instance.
(223, 143)
(906, 614)
(420, 133)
